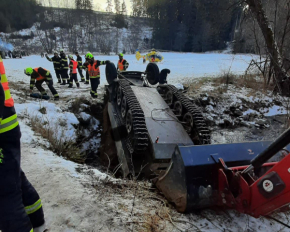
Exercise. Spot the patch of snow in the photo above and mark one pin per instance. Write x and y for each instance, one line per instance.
(179, 86)
(62, 123)
(276, 110)
(85, 116)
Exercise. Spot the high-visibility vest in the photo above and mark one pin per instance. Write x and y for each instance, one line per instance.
(93, 71)
(9, 123)
(9, 102)
(40, 76)
(74, 66)
(121, 65)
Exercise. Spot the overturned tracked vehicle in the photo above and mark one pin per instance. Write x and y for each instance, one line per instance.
(155, 130)
(148, 122)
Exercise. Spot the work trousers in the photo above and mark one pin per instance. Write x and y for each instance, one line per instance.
(80, 70)
(58, 75)
(73, 77)
(20, 205)
(49, 83)
(87, 77)
(64, 75)
(94, 86)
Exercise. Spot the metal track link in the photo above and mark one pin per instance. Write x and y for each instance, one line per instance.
(199, 123)
(140, 138)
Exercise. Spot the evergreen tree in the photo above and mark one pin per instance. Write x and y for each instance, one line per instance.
(84, 4)
(109, 7)
(117, 6)
(124, 8)
(21, 14)
(78, 4)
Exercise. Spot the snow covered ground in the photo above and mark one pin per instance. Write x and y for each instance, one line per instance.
(183, 66)
(80, 198)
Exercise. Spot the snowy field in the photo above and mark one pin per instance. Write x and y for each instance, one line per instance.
(183, 66)
(77, 201)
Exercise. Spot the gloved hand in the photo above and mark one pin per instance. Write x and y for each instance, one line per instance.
(107, 61)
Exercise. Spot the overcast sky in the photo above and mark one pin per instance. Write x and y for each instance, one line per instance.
(98, 4)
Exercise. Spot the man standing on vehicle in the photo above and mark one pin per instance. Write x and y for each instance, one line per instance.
(80, 68)
(93, 67)
(64, 68)
(122, 63)
(56, 64)
(20, 205)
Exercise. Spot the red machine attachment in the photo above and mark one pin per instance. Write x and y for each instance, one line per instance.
(258, 189)
(231, 175)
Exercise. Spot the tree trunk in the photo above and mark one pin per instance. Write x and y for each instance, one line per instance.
(280, 73)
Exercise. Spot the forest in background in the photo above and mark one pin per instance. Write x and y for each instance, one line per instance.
(177, 25)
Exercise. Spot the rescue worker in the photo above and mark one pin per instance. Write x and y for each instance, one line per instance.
(94, 72)
(122, 63)
(80, 68)
(20, 205)
(41, 75)
(73, 65)
(144, 60)
(85, 67)
(56, 64)
(64, 68)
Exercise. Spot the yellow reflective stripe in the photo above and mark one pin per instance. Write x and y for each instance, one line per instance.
(47, 73)
(3, 78)
(33, 208)
(7, 94)
(31, 230)
(95, 76)
(8, 124)
(6, 120)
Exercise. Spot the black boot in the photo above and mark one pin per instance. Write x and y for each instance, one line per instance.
(63, 83)
(78, 85)
(59, 81)
(70, 86)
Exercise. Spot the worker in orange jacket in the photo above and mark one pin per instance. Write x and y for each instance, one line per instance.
(41, 75)
(122, 63)
(20, 205)
(93, 67)
(73, 65)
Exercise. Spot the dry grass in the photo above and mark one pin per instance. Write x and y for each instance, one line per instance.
(60, 146)
(221, 82)
(76, 104)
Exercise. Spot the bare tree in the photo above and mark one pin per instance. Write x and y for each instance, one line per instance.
(281, 77)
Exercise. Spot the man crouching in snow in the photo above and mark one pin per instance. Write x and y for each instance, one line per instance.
(20, 205)
(41, 75)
